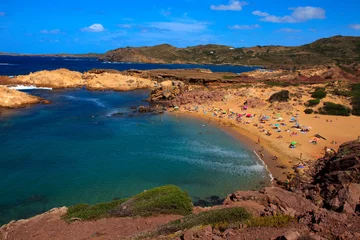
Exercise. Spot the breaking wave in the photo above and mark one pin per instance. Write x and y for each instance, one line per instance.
(227, 167)
(30, 87)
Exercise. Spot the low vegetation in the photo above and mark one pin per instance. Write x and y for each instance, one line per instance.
(282, 96)
(215, 218)
(271, 221)
(279, 84)
(355, 101)
(330, 108)
(229, 77)
(308, 111)
(319, 93)
(313, 102)
(88, 212)
(161, 200)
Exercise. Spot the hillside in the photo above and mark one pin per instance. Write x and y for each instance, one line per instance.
(338, 49)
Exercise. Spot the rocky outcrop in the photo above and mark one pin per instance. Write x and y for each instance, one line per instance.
(273, 200)
(168, 90)
(94, 80)
(60, 78)
(11, 98)
(116, 81)
(336, 180)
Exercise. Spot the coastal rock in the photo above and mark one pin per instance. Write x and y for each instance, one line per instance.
(168, 90)
(150, 109)
(60, 78)
(271, 201)
(116, 81)
(198, 97)
(11, 98)
(289, 235)
(336, 179)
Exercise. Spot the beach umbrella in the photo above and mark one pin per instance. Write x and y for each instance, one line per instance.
(293, 143)
(277, 125)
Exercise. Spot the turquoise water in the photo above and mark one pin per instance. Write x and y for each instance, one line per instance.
(73, 151)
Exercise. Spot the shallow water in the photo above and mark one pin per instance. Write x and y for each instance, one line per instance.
(73, 151)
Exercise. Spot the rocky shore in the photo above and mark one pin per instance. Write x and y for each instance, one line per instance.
(10, 98)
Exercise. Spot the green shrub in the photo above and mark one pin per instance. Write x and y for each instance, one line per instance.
(88, 212)
(330, 108)
(319, 93)
(356, 105)
(282, 96)
(308, 111)
(355, 87)
(342, 93)
(270, 221)
(277, 84)
(229, 77)
(161, 200)
(220, 217)
(313, 102)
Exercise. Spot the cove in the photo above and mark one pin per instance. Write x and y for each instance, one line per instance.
(75, 151)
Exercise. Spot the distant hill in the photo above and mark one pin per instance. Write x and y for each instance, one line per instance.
(337, 49)
(85, 55)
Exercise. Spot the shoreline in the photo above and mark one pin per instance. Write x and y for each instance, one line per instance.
(264, 152)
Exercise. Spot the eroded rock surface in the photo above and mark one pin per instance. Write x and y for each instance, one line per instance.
(11, 98)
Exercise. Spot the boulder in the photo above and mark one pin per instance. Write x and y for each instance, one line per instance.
(289, 235)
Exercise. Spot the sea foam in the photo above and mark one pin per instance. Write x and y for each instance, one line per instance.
(93, 100)
(29, 87)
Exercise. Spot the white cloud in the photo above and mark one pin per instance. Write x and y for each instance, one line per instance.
(54, 31)
(190, 26)
(289, 30)
(96, 27)
(355, 26)
(245, 27)
(232, 6)
(2, 14)
(125, 25)
(299, 14)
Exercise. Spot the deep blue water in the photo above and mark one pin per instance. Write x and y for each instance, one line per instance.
(16, 65)
(74, 151)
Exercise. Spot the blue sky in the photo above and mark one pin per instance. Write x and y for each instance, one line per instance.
(79, 26)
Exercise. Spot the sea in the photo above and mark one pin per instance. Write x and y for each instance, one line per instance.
(75, 150)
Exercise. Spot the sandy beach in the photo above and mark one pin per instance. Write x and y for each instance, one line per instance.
(271, 138)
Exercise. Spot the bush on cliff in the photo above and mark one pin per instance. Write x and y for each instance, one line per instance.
(319, 93)
(271, 221)
(282, 96)
(161, 200)
(313, 102)
(88, 212)
(308, 111)
(213, 217)
(330, 108)
(355, 101)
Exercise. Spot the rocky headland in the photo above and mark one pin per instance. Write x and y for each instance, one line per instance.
(10, 98)
(341, 50)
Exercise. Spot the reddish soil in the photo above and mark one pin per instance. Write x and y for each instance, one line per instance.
(50, 226)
